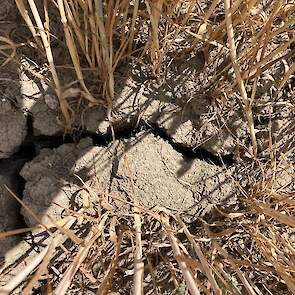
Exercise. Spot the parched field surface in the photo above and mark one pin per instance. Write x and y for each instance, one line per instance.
(147, 147)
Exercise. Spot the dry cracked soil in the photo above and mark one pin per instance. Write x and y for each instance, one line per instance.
(169, 141)
(159, 140)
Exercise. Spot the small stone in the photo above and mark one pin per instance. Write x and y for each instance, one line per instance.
(51, 101)
(45, 119)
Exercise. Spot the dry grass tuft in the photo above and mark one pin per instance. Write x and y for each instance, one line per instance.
(245, 251)
(100, 35)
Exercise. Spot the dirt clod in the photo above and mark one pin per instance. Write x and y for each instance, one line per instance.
(144, 166)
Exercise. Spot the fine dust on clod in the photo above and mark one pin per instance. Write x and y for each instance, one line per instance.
(162, 177)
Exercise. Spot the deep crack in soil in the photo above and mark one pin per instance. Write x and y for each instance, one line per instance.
(42, 141)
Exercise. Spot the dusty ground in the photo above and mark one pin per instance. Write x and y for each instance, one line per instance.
(179, 143)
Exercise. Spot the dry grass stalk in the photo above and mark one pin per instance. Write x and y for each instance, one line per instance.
(155, 9)
(9, 233)
(205, 265)
(43, 258)
(288, 75)
(242, 277)
(102, 23)
(186, 271)
(66, 232)
(24, 13)
(271, 252)
(105, 285)
(73, 50)
(246, 102)
(138, 263)
(23, 275)
(64, 106)
(40, 271)
(280, 217)
(79, 258)
(132, 27)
